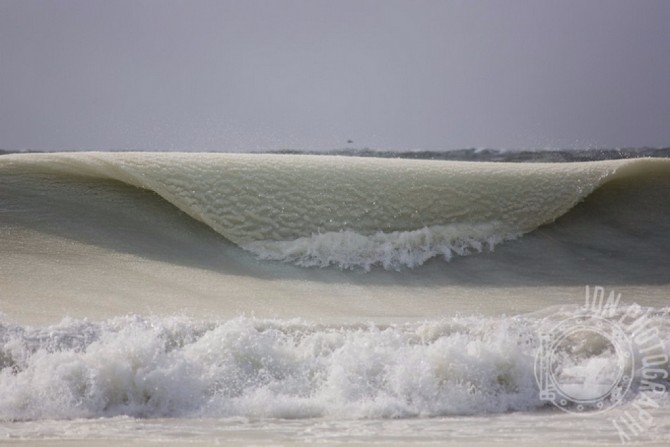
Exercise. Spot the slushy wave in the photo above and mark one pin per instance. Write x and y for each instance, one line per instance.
(344, 211)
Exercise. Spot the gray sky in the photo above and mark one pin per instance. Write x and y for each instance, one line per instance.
(251, 75)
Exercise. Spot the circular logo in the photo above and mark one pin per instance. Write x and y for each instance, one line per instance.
(585, 363)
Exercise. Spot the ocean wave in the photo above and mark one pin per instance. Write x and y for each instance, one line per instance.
(344, 211)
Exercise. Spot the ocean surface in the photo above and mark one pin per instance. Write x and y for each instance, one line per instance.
(274, 299)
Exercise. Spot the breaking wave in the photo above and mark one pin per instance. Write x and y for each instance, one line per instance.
(343, 211)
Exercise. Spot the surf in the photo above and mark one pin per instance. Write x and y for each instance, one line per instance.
(153, 367)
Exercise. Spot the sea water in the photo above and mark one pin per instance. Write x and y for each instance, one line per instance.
(266, 298)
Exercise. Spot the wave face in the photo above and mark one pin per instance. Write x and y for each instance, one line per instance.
(176, 367)
(343, 211)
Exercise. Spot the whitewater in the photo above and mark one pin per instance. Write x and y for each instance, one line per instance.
(276, 298)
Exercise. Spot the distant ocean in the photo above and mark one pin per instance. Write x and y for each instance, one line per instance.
(355, 296)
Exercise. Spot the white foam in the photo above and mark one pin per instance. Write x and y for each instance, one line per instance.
(176, 367)
(348, 249)
(156, 367)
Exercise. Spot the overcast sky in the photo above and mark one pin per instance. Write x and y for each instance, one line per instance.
(253, 75)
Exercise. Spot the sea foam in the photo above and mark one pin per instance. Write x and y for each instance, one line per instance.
(175, 366)
(392, 251)
(151, 367)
